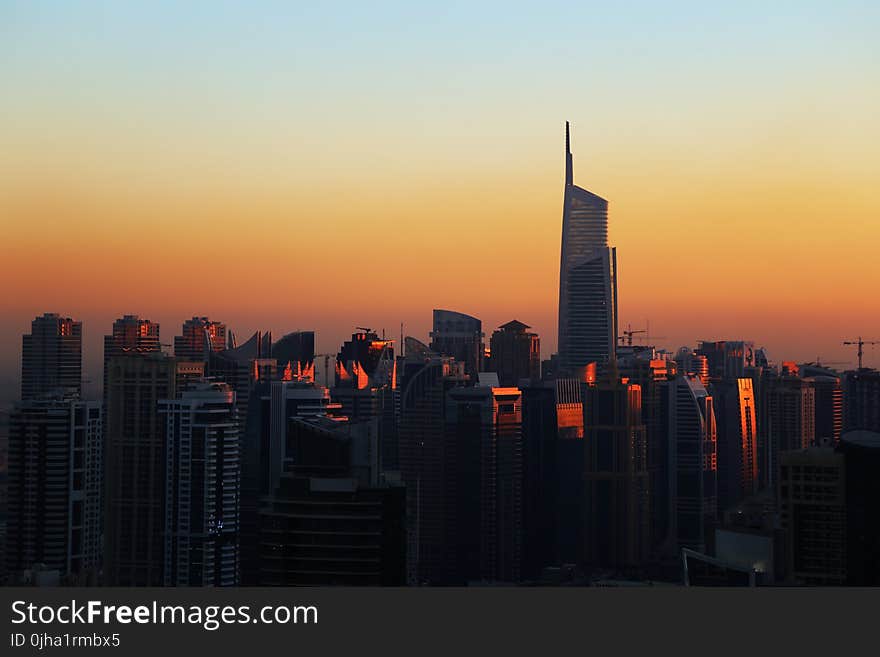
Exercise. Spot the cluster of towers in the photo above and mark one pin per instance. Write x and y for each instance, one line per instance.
(447, 461)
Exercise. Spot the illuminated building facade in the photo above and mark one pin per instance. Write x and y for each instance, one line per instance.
(587, 278)
(130, 334)
(51, 357)
(737, 441)
(199, 337)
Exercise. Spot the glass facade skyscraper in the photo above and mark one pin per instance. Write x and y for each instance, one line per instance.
(587, 278)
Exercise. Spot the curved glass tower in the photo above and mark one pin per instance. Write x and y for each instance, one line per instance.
(587, 278)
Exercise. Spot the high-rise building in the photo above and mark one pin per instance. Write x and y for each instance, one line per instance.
(861, 452)
(484, 484)
(787, 419)
(861, 399)
(516, 354)
(54, 487)
(333, 519)
(727, 360)
(295, 354)
(693, 466)
(737, 440)
(828, 402)
(811, 488)
(587, 278)
(365, 384)
(461, 337)
(51, 357)
(425, 380)
(202, 487)
(199, 337)
(135, 466)
(130, 334)
(569, 471)
(540, 480)
(617, 518)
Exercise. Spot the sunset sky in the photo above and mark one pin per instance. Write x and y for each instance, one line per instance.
(329, 165)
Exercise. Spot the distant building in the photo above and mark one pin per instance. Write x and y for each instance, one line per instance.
(54, 487)
(570, 457)
(587, 278)
(459, 336)
(295, 354)
(130, 334)
(787, 421)
(365, 385)
(693, 465)
(617, 514)
(727, 360)
(516, 354)
(828, 403)
(199, 337)
(861, 397)
(51, 357)
(202, 487)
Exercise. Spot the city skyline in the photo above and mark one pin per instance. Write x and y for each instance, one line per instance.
(720, 193)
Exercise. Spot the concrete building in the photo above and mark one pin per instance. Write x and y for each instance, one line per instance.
(199, 337)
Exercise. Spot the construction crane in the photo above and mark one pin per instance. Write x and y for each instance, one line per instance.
(628, 334)
(860, 344)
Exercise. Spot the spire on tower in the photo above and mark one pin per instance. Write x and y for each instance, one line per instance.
(569, 174)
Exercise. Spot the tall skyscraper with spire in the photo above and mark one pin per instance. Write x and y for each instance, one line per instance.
(587, 278)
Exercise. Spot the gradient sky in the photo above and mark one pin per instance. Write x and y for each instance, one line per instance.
(279, 166)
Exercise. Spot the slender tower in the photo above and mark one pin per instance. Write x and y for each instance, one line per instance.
(587, 278)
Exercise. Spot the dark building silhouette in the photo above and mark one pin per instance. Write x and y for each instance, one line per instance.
(484, 466)
(51, 357)
(424, 458)
(787, 418)
(736, 419)
(617, 514)
(295, 353)
(861, 452)
(365, 384)
(828, 403)
(861, 397)
(202, 487)
(540, 482)
(134, 468)
(516, 354)
(587, 278)
(130, 334)
(693, 467)
(199, 337)
(54, 487)
(459, 336)
(811, 488)
(727, 360)
(570, 457)
(332, 520)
